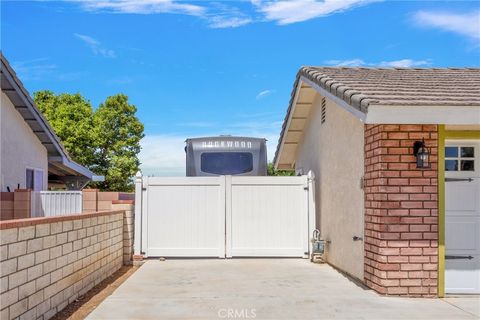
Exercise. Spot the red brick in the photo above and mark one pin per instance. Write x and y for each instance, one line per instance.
(390, 282)
(419, 228)
(417, 274)
(430, 251)
(418, 259)
(398, 181)
(420, 182)
(412, 204)
(419, 243)
(398, 228)
(420, 196)
(412, 251)
(429, 267)
(398, 259)
(411, 189)
(397, 290)
(397, 244)
(410, 266)
(411, 235)
(397, 274)
(410, 282)
(398, 135)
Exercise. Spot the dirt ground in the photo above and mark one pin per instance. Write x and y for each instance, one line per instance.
(85, 304)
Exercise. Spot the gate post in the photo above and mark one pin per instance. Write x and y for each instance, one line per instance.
(137, 239)
(311, 207)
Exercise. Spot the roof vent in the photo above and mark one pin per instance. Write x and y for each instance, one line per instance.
(324, 110)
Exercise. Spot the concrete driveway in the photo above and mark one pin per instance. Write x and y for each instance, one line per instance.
(262, 289)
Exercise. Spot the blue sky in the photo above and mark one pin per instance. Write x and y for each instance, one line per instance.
(207, 68)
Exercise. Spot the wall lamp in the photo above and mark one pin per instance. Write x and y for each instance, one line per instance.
(422, 153)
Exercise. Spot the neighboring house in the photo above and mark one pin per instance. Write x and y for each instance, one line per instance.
(32, 156)
(398, 228)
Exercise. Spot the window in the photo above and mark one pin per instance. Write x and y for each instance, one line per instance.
(459, 158)
(30, 178)
(226, 162)
(34, 179)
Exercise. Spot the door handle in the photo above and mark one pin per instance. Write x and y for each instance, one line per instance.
(458, 179)
(458, 257)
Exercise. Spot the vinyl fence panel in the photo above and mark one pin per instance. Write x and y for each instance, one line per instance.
(55, 203)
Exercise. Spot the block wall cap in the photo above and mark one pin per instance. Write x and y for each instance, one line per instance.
(18, 223)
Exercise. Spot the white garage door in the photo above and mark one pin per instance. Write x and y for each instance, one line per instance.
(224, 216)
(462, 221)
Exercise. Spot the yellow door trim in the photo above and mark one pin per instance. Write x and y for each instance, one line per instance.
(442, 136)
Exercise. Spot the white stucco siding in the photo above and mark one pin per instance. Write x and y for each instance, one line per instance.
(334, 151)
(20, 148)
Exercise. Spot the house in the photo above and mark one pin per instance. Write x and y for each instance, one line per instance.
(396, 154)
(32, 156)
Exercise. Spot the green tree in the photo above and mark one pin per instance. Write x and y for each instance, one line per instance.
(118, 133)
(71, 117)
(107, 140)
(271, 171)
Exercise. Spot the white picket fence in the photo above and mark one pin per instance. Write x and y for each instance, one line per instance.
(56, 203)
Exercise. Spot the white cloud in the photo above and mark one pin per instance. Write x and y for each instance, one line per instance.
(34, 69)
(219, 22)
(405, 63)
(263, 94)
(42, 69)
(144, 7)
(402, 63)
(163, 155)
(217, 15)
(346, 63)
(292, 11)
(465, 24)
(95, 46)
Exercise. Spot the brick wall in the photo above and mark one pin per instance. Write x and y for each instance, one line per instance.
(401, 211)
(46, 263)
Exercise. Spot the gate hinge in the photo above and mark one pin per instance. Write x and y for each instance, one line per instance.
(144, 189)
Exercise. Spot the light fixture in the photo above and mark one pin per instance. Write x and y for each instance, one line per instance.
(421, 152)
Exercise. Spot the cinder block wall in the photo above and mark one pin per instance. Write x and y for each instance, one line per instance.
(6, 205)
(128, 227)
(15, 205)
(46, 263)
(401, 211)
(95, 200)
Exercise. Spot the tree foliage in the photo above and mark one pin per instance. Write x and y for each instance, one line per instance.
(118, 133)
(71, 116)
(105, 140)
(271, 171)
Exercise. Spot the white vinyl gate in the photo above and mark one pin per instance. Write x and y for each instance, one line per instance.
(224, 216)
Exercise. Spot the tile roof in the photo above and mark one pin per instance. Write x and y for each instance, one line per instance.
(361, 87)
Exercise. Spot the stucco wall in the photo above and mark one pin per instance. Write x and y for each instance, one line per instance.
(20, 148)
(334, 151)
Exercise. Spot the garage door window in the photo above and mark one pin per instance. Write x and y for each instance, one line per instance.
(459, 158)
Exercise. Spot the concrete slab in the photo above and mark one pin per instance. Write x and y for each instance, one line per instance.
(468, 303)
(258, 289)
